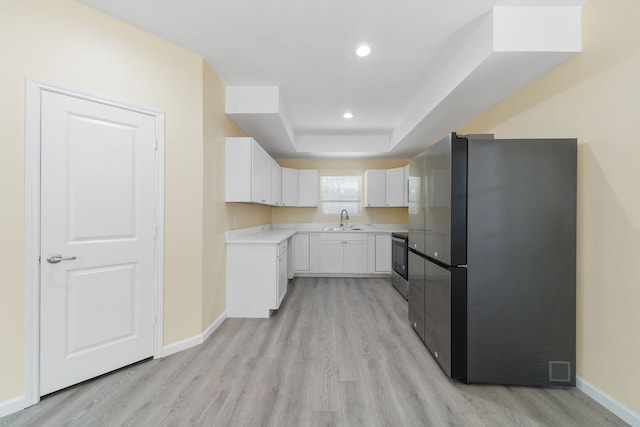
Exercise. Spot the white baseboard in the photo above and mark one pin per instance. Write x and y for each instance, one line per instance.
(195, 340)
(626, 414)
(11, 406)
(215, 325)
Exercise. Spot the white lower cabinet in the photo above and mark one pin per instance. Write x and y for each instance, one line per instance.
(343, 253)
(301, 252)
(282, 274)
(290, 270)
(256, 278)
(383, 253)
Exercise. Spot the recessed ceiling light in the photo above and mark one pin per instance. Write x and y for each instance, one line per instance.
(363, 50)
(348, 115)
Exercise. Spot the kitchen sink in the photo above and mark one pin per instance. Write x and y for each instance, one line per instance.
(342, 229)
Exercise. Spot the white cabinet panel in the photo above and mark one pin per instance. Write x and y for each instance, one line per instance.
(290, 270)
(314, 252)
(282, 277)
(406, 186)
(395, 187)
(276, 184)
(301, 252)
(308, 187)
(343, 253)
(375, 187)
(290, 196)
(386, 187)
(331, 256)
(355, 256)
(238, 166)
(383, 253)
(256, 290)
(249, 172)
(261, 176)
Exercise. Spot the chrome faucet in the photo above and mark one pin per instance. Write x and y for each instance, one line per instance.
(343, 211)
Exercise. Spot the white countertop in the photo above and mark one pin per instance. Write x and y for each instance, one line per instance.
(274, 234)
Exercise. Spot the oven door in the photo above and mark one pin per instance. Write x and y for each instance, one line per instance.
(399, 257)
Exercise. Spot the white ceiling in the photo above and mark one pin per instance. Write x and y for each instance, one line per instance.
(434, 63)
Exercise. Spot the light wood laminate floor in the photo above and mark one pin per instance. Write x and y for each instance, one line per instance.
(338, 352)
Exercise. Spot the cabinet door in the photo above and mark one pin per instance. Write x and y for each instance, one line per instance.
(375, 187)
(290, 251)
(355, 256)
(308, 187)
(395, 187)
(331, 256)
(383, 253)
(276, 184)
(301, 252)
(416, 293)
(406, 186)
(261, 176)
(282, 278)
(290, 196)
(314, 252)
(237, 175)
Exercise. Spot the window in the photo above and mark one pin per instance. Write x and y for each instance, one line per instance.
(340, 192)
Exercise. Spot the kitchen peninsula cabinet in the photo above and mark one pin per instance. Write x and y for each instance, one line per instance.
(256, 278)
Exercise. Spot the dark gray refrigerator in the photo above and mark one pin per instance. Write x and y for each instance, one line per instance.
(492, 258)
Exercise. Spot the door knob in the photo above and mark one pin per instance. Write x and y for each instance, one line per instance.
(56, 258)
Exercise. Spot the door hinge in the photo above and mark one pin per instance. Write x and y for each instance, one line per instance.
(39, 256)
(155, 144)
(155, 230)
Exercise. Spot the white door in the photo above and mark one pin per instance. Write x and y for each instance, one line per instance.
(97, 209)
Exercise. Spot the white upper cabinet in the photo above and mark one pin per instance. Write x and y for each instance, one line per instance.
(385, 187)
(276, 184)
(247, 172)
(308, 187)
(375, 188)
(299, 187)
(396, 187)
(290, 196)
(251, 175)
(406, 186)
(261, 176)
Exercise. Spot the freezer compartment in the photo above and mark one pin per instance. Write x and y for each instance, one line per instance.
(445, 317)
(416, 292)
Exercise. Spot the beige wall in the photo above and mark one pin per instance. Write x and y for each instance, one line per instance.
(596, 98)
(71, 45)
(341, 167)
(219, 216)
